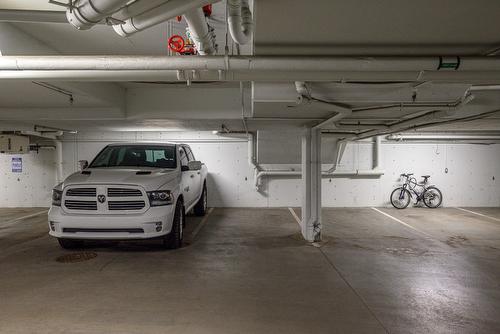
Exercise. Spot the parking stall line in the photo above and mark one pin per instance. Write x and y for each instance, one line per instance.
(479, 214)
(403, 223)
(297, 219)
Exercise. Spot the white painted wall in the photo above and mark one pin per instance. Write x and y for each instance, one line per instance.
(33, 186)
(469, 181)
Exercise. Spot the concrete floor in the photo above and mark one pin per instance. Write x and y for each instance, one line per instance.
(248, 271)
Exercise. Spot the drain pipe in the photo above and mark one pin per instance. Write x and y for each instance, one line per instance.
(157, 15)
(202, 34)
(84, 14)
(240, 21)
(59, 161)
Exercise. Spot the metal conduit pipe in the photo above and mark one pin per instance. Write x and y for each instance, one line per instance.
(203, 36)
(157, 15)
(441, 137)
(420, 120)
(272, 64)
(305, 95)
(84, 14)
(240, 21)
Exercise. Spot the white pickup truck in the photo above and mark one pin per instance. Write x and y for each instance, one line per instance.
(130, 191)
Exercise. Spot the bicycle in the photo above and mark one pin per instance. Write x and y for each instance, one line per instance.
(430, 195)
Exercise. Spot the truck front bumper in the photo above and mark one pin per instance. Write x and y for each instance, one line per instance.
(154, 223)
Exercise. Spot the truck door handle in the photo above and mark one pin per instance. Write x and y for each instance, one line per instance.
(198, 173)
(186, 189)
(191, 176)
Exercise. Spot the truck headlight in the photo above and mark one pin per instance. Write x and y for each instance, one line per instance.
(56, 197)
(160, 197)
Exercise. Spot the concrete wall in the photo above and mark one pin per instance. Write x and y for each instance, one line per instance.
(467, 174)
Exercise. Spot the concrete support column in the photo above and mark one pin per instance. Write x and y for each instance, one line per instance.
(311, 185)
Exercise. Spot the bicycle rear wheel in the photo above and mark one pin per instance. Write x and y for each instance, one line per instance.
(400, 198)
(432, 197)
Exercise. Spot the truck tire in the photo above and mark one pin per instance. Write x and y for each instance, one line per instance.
(201, 207)
(70, 243)
(173, 240)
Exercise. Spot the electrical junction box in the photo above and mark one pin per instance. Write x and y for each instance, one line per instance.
(14, 144)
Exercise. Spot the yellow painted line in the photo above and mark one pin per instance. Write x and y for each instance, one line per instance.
(203, 221)
(297, 219)
(403, 223)
(479, 214)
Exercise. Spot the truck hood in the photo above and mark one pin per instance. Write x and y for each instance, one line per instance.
(148, 178)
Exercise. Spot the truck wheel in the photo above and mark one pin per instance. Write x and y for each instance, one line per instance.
(201, 207)
(173, 240)
(70, 243)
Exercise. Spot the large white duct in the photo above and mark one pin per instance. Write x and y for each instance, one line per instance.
(157, 15)
(86, 13)
(203, 36)
(240, 21)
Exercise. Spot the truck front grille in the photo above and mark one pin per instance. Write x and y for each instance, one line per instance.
(80, 205)
(81, 192)
(124, 192)
(126, 205)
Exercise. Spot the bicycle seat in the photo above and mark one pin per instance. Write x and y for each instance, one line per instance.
(426, 176)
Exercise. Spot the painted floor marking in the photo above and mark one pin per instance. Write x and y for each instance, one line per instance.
(10, 222)
(203, 221)
(297, 219)
(403, 223)
(479, 214)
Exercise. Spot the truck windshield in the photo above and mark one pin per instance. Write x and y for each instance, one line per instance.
(136, 156)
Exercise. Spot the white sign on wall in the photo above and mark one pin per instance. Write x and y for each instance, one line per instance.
(17, 165)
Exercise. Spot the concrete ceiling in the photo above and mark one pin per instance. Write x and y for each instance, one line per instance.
(291, 27)
(360, 27)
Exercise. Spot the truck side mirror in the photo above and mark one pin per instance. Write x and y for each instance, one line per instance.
(83, 164)
(194, 165)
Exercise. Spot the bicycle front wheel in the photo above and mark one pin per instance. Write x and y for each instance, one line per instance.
(432, 197)
(400, 198)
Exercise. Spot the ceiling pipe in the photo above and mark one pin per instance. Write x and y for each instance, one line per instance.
(305, 95)
(401, 137)
(420, 120)
(202, 34)
(157, 15)
(84, 14)
(243, 63)
(32, 16)
(240, 21)
(136, 8)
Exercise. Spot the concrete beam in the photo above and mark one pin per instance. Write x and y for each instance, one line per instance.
(14, 41)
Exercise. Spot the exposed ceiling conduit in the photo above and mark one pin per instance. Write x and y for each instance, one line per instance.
(202, 35)
(447, 137)
(84, 14)
(305, 96)
(157, 15)
(240, 21)
(428, 118)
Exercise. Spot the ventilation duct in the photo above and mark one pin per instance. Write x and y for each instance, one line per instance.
(84, 14)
